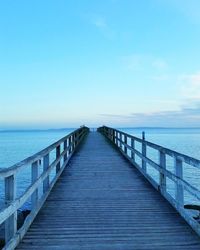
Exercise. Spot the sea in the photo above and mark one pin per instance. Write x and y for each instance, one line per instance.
(18, 145)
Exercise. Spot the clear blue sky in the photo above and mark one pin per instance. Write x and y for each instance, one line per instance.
(118, 62)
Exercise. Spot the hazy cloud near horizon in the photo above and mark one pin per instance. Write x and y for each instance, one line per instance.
(185, 117)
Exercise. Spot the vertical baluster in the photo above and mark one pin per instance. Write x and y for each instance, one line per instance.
(125, 142)
(179, 187)
(79, 135)
(57, 157)
(120, 140)
(113, 136)
(45, 167)
(144, 153)
(64, 148)
(162, 177)
(73, 141)
(10, 196)
(34, 176)
(133, 147)
(70, 145)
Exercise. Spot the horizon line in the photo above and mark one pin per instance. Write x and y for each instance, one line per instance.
(93, 127)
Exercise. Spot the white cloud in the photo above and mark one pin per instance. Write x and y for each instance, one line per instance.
(102, 25)
(160, 64)
(100, 22)
(133, 62)
(184, 117)
(190, 88)
(138, 62)
(189, 8)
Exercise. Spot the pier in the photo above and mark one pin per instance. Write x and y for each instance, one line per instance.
(102, 196)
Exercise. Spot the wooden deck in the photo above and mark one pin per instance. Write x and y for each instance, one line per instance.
(102, 202)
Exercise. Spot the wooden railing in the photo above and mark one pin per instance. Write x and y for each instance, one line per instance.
(126, 144)
(64, 149)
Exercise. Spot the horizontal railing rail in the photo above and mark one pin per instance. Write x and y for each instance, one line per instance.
(126, 144)
(64, 149)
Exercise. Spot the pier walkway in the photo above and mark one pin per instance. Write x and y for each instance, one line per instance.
(102, 202)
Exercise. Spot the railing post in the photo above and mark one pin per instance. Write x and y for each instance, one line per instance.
(125, 142)
(144, 153)
(120, 143)
(162, 177)
(57, 157)
(143, 135)
(113, 136)
(34, 176)
(45, 167)
(133, 147)
(117, 137)
(10, 195)
(179, 187)
(73, 142)
(64, 148)
(70, 145)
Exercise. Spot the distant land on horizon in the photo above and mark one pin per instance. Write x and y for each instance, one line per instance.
(63, 129)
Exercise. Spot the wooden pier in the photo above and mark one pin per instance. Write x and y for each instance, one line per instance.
(102, 199)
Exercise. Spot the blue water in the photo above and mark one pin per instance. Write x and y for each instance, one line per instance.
(18, 145)
(15, 146)
(182, 140)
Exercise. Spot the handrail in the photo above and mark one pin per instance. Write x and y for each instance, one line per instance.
(126, 145)
(64, 149)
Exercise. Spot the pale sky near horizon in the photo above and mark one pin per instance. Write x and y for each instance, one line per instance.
(117, 62)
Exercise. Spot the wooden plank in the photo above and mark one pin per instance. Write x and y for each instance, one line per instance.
(10, 209)
(102, 202)
(180, 183)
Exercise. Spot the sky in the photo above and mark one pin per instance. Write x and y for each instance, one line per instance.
(122, 63)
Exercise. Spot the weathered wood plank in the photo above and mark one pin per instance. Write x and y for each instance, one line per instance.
(102, 202)
(9, 212)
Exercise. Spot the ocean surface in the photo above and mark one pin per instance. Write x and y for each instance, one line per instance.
(17, 145)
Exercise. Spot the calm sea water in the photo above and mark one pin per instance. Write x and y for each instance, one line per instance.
(15, 146)
(182, 140)
(18, 145)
